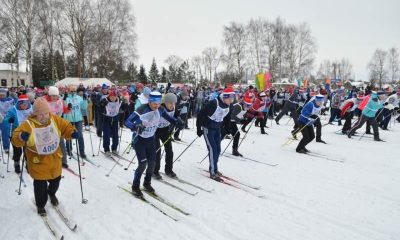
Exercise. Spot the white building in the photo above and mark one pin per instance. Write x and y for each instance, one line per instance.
(9, 77)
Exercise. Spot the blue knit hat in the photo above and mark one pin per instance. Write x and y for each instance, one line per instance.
(319, 98)
(146, 91)
(104, 86)
(155, 97)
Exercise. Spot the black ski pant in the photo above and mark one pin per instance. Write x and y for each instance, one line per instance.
(318, 128)
(164, 134)
(234, 131)
(386, 116)
(308, 136)
(17, 152)
(42, 190)
(285, 109)
(348, 116)
(360, 123)
(335, 112)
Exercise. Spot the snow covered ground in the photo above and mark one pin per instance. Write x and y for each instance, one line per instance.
(356, 197)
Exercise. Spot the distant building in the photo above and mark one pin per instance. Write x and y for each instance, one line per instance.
(9, 77)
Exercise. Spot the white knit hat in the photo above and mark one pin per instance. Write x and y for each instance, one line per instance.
(53, 91)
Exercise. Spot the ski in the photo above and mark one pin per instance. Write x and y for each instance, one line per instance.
(76, 159)
(51, 228)
(178, 188)
(120, 157)
(112, 158)
(72, 172)
(150, 203)
(189, 183)
(1, 175)
(248, 159)
(226, 182)
(72, 226)
(91, 162)
(237, 181)
(162, 200)
(324, 157)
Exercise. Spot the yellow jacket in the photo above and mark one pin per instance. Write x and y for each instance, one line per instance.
(42, 167)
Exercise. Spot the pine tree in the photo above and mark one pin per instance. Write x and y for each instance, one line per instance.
(133, 73)
(36, 68)
(164, 78)
(154, 76)
(142, 75)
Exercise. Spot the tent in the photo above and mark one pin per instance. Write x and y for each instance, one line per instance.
(87, 82)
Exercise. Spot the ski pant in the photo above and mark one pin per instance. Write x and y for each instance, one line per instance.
(308, 136)
(78, 126)
(213, 141)
(386, 116)
(184, 117)
(110, 129)
(17, 153)
(360, 123)
(285, 109)
(146, 154)
(42, 190)
(335, 112)
(5, 135)
(63, 150)
(348, 116)
(318, 128)
(234, 131)
(99, 123)
(164, 134)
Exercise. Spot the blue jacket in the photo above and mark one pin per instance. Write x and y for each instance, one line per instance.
(372, 106)
(311, 108)
(12, 113)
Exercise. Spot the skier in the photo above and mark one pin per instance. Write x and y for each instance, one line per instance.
(163, 133)
(347, 112)
(369, 114)
(57, 107)
(182, 108)
(386, 115)
(15, 116)
(144, 122)
(110, 107)
(335, 106)
(6, 103)
(292, 105)
(209, 122)
(73, 114)
(237, 117)
(43, 154)
(309, 114)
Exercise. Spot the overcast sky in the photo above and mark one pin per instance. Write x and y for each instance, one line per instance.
(342, 28)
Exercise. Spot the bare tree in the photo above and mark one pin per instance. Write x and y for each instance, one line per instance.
(393, 64)
(255, 48)
(345, 69)
(235, 41)
(376, 66)
(211, 60)
(10, 34)
(306, 49)
(325, 70)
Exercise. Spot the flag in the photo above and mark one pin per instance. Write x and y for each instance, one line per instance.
(260, 82)
(298, 82)
(305, 83)
(267, 78)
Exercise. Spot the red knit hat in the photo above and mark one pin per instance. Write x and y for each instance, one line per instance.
(228, 92)
(23, 97)
(248, 101)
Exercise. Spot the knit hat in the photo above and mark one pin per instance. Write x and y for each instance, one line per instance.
(170, 98)
(248, 101)
(40, 106)
(3, 90)
(112, 93)
(146, 91)
(155, 97)
(319, 98)
(228, 93)
(104, 86)
(262, 94)
(23, 97)
(53, 91)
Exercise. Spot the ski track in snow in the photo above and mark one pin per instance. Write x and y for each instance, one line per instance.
(306, 197)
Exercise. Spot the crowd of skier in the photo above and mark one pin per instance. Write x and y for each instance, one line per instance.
(39, 124)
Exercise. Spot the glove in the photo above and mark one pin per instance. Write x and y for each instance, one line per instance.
(24, 136)
(199, 132)
(314, 117)
(242, 121)
(179, 124)
(65, 96)
(386, 103)
(75, 135)
(11, 120)
(69, 106)
(139, 128)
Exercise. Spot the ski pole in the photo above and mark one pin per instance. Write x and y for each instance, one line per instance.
(362, 135)
(22, 170)
(120, 136)
(245, 134)
(91, 142)
(186, 148)
(84, 201)
(119, 158)
(230, 142)
(9, 141)
(1, 149)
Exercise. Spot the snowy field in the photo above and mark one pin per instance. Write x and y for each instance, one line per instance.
(352, 194)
